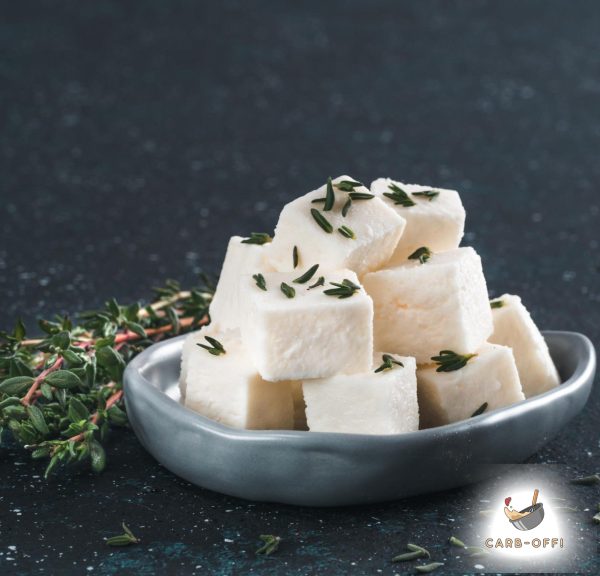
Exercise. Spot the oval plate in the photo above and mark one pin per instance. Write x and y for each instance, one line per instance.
(328, 469)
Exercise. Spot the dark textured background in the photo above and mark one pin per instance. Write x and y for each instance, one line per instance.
(136, 137)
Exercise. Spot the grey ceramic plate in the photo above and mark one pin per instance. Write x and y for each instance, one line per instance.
(325, 469)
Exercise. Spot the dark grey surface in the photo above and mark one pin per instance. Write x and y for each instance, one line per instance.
(325, 469)
(136, 137)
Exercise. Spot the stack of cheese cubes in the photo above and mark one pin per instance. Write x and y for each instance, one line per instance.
(361, 315)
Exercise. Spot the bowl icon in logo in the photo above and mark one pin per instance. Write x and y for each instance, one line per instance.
(527, 518)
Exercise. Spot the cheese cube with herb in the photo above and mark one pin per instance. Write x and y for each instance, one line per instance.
(431, 302)
(435, 217)
(244, 256)
(340, 225)
(514, 327)
(301, 325)
(223, 385)
(458, 387)
(380, 401)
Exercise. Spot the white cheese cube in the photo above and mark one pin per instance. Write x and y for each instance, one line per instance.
(189, 344)
(241, 259)
(368, 403)
(228, 389)
(375, 226)
(491, 377)
(421, 309)
(311, 335)
(514, 327)
(435, 220)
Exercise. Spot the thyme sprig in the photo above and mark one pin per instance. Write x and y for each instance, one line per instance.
(124, 539)
(422, 254)
(388, 362)
(449, 361)
(257, 238)
(345, 289)
(399, 196)
(271, 544)
(61, 393)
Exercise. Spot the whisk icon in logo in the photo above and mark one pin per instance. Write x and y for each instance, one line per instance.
(527, 518)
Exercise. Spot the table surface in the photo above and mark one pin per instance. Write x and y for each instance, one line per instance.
(137, 137)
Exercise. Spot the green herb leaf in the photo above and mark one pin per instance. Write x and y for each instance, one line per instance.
(388, 363)
(16, 385)
(347, 232)
(77, 410)
(496, 303)
(417, 548)
(37, 419)
(271, 544)
(399, 196)
(109, 359)
(215, 348)
(136, 328)
(360, 196)
(346, 289)
(407, 556)
(319, 282)
(287, 290)
(19, 331)
(321, 220)
(449, 361)
(456, 542)
(260, 281)
(329, 197)
(480, 410)
(97, 456)
(587, 480)
(257, 238)
(428, 194)
(124, 539)
(346, 207)
(347, 185)
(307, 275)
(318, 200)
(63, 379)
(426, 568)
(295, 256)
(421, 254)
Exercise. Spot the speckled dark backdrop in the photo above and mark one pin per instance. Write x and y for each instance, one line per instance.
(136, 137)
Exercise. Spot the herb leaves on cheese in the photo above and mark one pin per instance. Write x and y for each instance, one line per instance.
(307, 275)
(449, 361)
(257, 238)
(215, 348)
(388, 363)
(399, 196)
(345, 289)
(421, 254)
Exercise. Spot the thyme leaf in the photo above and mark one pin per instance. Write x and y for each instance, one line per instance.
(260, 281)
(399, 196)
(496, 303)
(347, 232)
(421, 254)
(257, 238)
(587, 480)
(329, 196)
(428, 194)
(449, 361)
(346, 207)
(346, 289)
(360, 196)
(215, 348)
(426, 568)
(321, 220)
(480, 410)
(319, 282)
(307, 275)
(295, 256)
(347, 185)
(287, 290)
